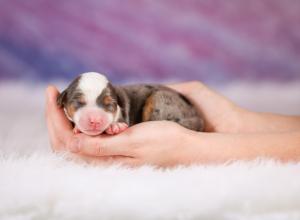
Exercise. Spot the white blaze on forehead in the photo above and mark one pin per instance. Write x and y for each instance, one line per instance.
(92, 85)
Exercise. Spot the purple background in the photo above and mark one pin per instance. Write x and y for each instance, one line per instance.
(143, 40)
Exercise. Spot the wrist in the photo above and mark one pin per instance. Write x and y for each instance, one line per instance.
(213, 148)
(250, 122)
(239, 116)
(232, 121)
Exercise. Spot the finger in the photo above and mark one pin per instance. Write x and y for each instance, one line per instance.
(109, 130)
(124, 161)
(59, 128)
(123, 126)
(55, 114)
(179, 86)
(187, 88)
(105, 160)
(117, 160)
(51, 94)
(104, 145)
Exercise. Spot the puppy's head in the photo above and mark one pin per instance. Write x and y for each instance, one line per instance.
(90, 101)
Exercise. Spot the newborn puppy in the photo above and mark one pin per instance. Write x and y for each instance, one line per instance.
(95, 106)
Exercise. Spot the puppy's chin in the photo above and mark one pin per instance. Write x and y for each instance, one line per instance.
(92, 132)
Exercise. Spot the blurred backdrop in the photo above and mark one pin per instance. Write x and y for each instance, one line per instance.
(248, 50)
(214, 41)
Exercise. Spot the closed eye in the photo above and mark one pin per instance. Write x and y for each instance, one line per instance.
(78, 104)
(110, 106)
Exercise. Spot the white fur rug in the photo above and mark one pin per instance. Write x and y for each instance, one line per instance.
(35, 184)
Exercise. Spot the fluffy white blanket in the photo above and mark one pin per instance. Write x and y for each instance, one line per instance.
(36, 184)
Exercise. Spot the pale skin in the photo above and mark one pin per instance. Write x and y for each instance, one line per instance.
(232, 133)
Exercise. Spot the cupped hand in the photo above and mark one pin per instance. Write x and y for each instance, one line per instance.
(166, 144)
(155, 143)
(59, 127)
(158, 143)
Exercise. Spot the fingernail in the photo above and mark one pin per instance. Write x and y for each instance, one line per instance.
(74, 145)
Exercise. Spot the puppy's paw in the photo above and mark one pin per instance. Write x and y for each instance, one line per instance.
(76, 130)
(116, 128)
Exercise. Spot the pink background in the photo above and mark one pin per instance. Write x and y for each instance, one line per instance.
(139, 40)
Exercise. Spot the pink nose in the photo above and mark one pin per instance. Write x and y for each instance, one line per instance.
(95, 122)
(92, 120)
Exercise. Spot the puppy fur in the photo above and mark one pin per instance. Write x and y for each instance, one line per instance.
(125, 104)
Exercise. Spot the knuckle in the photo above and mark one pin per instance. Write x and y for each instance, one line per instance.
(99, 149)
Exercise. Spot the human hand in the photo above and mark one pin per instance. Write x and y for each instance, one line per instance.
(158, 143)
(144, 143)
(61, 134)
(59, 127)
(219, 113)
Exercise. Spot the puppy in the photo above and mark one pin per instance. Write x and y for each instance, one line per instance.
(95, 106)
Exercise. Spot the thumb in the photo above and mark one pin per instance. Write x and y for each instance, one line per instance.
(53, 112)
(104, 145)
(51, 95)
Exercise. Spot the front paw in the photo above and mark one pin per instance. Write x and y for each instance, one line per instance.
(116, 128)
(76, 130)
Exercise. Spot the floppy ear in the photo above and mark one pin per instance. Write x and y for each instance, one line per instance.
(123, 102)
(61, 99)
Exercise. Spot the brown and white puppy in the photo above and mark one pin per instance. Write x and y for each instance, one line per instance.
(95, 106)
